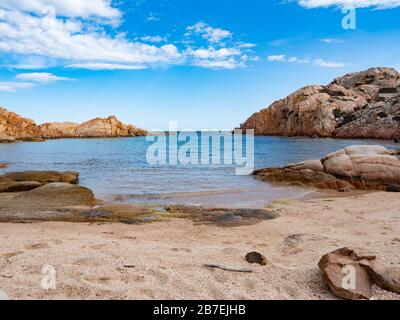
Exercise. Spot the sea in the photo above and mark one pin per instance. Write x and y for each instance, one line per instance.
(119, 170)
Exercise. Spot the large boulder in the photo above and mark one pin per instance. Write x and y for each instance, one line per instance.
(338, 268)
(351, 276)
(29, 180)
(57, 195)
(357, 105)
(355, 167)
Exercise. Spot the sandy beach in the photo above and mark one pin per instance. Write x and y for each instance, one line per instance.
(164, 260)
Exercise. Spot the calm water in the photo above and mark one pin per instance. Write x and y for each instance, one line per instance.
(116, 169)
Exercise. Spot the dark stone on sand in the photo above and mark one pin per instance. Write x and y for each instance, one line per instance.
(256, 257)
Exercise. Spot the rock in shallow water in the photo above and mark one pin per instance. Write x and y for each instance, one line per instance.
(355, 167)
(56, 194)
(44, 176)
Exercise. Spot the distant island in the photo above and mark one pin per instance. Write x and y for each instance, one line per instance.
(14, 128)
(363, 105)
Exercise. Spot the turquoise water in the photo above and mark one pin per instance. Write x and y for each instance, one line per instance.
(117, 170)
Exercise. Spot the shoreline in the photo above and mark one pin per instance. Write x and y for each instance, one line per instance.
(164, 260)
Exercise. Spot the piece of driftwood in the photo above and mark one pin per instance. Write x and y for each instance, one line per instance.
(227, 268)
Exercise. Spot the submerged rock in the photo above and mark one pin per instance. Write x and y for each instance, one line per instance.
(357, 105)
(355, 167)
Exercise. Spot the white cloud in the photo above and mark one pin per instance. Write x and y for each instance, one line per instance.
(30, 80)
(298, 60)
(212, 53)
(14, 86)
(328, 64)
(216, 64)
(246, 45)
(332, 40)
(105, 66)
(153, 39)
(153, 17)
(78, 43)
(40, 77)
(25, 34)
(223, 58)
(213, 35)
(380, 4)
(317, 62)
(66, 8)
(279, 57)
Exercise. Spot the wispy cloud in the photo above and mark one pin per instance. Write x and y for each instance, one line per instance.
(12, 86)
(41, 77)
(85, 9)
(379, 4)
(153, 17)
(332, 40)
(214, 35)
(104, 66)
(328, 64)
(154, 39)
(29, 80)
(277, 57)
(316, 62)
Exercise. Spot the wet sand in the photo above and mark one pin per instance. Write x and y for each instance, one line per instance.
(164, 260)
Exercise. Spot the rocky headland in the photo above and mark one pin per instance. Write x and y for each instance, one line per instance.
(358, 105)
(16, 128)
(351, 168)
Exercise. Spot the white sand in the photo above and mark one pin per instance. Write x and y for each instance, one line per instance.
(166, 258)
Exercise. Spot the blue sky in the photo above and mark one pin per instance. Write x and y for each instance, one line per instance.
(204, 63)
